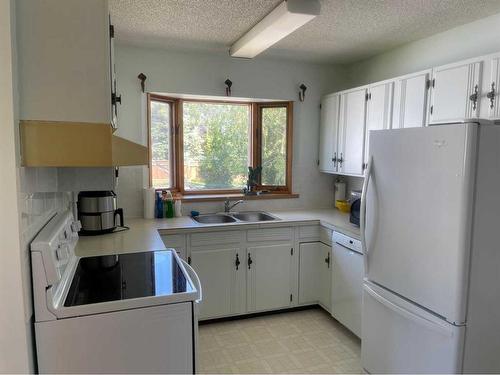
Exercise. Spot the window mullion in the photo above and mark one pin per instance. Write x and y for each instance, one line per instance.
(179, 167)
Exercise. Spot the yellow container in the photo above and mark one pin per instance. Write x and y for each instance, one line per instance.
(343, 205)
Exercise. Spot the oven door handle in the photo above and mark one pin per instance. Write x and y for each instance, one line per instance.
(194, 278)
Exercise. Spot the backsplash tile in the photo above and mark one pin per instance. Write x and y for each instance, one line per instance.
(36, 209)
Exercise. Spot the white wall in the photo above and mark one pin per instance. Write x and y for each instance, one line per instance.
(27, 197)
(477, 38)
(14, 352)
(203, 74)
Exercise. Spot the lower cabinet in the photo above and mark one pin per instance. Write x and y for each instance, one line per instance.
(325, 276)
(315, 274)
(222, 276)
(258, 269)
(177, 242)
(269, 277)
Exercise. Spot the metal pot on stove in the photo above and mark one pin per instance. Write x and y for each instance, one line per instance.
(97, 212)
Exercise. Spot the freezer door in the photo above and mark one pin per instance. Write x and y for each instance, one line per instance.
(400, 337)
(418, 213)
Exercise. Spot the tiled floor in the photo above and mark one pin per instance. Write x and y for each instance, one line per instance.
(307, 341)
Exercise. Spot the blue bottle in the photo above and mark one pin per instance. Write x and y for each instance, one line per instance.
(159, 206)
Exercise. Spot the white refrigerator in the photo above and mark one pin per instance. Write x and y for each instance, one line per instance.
(430, 226)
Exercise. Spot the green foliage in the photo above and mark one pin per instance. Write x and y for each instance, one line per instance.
(216, 137)
(274, 146)
(216, 144)
(160, 144)
(160, 130)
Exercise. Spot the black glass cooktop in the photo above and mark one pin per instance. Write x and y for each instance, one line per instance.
(120, 277)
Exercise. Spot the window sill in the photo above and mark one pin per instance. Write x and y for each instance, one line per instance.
(223, 197)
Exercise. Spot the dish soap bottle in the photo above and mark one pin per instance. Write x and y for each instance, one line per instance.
(168, 204)
(178, 208)
(159, 206)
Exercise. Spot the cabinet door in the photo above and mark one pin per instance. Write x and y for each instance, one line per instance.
(410, 100)
(181, 252)
(378, 111)
(492, 94)
(64, 50)
(308, 272)
(325, 276)
(177, 242)
(347, 287)
(455, 92)
(352, 130)
(112, 74)
(222, 281)
(269, 276)
(315, 274)
(328, 134)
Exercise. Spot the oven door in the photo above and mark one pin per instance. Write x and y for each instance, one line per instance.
(156, 339)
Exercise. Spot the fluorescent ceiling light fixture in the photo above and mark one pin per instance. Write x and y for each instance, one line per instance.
(282, 21)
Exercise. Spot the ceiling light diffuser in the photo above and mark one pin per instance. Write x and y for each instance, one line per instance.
(282, 21)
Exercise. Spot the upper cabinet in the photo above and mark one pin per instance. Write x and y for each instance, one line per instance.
(410, 100)
(351, 131)
(378, 111)
(458, 92)
(490, 102)
(65, 60)
(455, 93)
(328, 134)
(346, 120)
(115, 98)
(67, 81)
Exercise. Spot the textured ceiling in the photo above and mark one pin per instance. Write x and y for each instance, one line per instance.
(345, 31)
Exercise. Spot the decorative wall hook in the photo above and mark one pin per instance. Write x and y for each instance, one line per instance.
(142, 77)
(302, 92)
(228, 86)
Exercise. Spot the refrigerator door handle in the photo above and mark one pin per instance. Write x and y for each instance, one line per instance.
(443, 328)
(362, 221)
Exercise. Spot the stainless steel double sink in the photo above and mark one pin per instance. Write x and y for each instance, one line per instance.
(244, 216)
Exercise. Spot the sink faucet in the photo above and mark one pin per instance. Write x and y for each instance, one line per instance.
(228, 206)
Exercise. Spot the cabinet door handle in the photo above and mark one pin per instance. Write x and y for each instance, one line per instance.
(334, 159)
(237, 262)
(474, 97)
(250, 261)
(189, 260)
(116, 99)
(491, 95)
(341, 160)
(327, 260)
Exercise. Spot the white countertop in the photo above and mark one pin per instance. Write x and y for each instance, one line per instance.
(144, 234)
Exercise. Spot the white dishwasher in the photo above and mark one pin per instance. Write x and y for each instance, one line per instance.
(347, 281)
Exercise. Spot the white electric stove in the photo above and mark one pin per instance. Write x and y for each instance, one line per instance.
(126, 313)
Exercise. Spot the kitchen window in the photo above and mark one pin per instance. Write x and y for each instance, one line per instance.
(204, 147)
(216, 145)
(160, 141)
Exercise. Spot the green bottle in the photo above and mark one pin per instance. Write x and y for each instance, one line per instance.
(168, 206)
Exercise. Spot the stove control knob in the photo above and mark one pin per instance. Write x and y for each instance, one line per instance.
(62, 252)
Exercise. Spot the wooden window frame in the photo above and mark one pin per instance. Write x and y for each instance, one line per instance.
(257, 146)
(255, 143)
(174, 140)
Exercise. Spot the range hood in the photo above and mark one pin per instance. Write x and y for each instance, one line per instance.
(77, 144)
